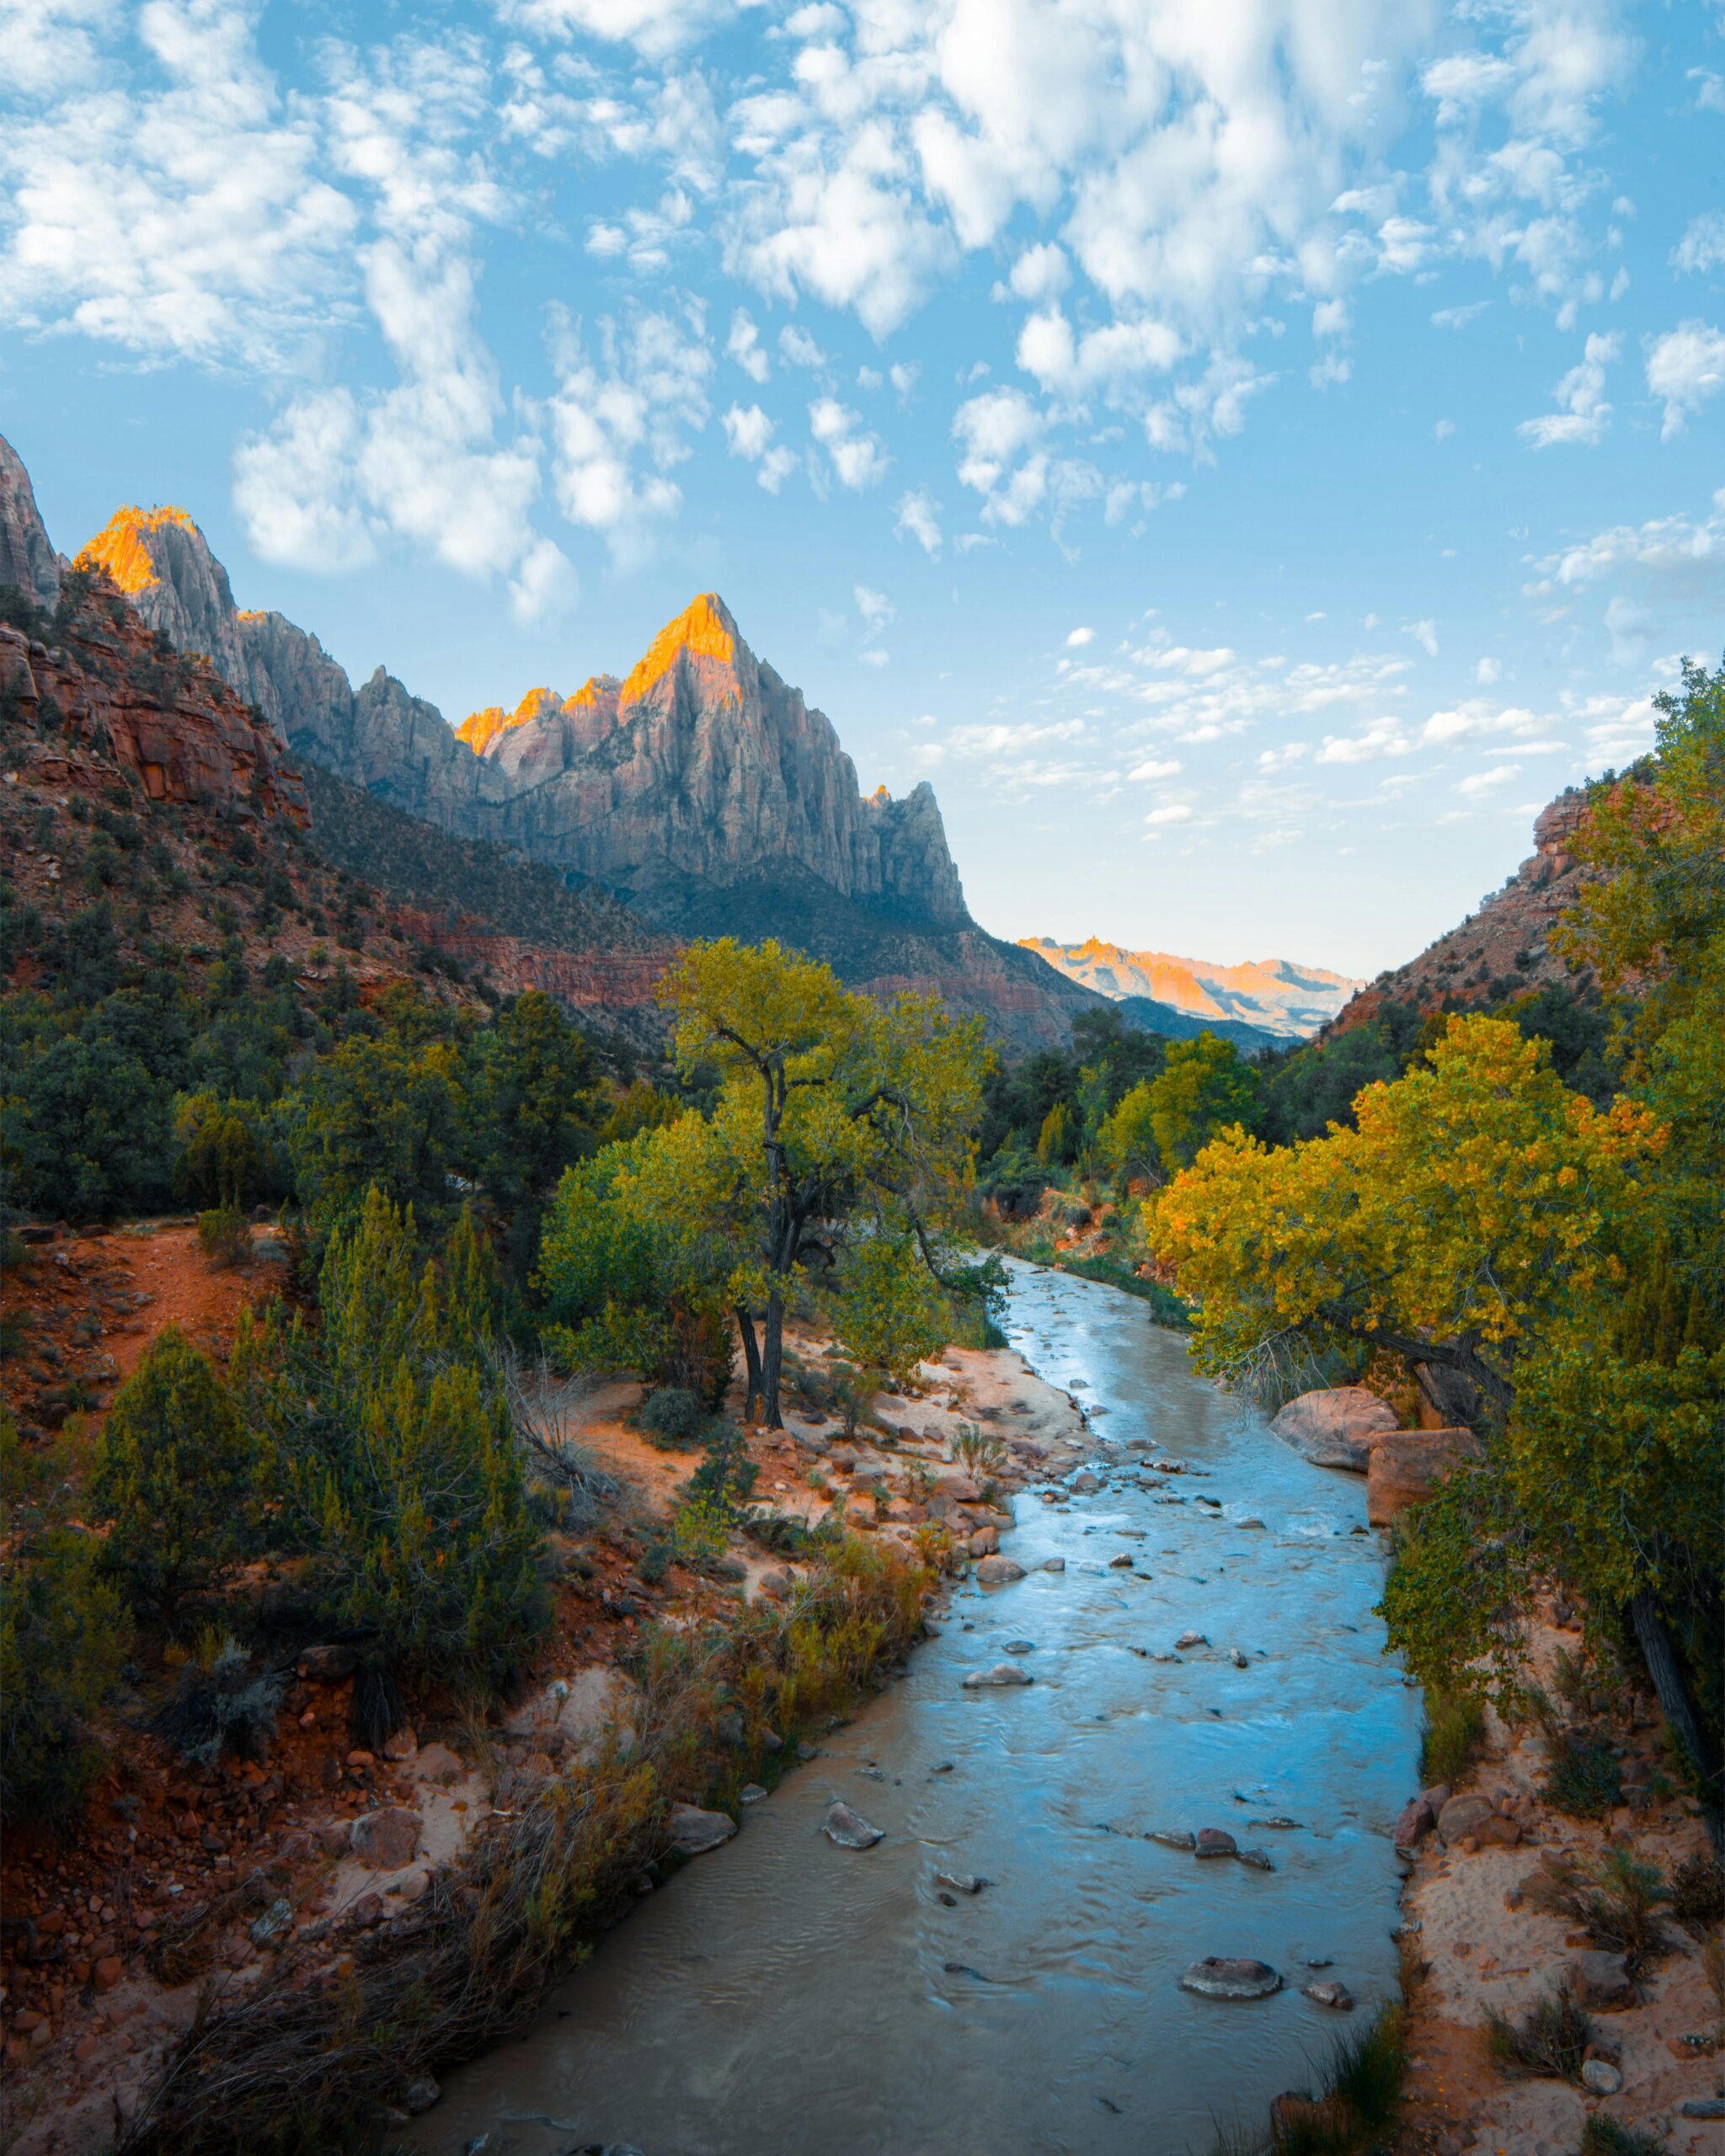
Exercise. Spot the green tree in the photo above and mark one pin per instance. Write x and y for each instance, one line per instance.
(889, 1311)
(174, 1470)
(831, 1109)
(1127, 1137)
(1203, 1088)
(385, 1112)
(62, 1637)
(1057, 1141)
(531, 1103)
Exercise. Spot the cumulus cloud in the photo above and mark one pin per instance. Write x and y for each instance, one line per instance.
(874, 606)
(1583, 414)
(857, 456)
(1702, 245)
(1077, 639)
(743, 345)
(1685, 368)
(919, 519)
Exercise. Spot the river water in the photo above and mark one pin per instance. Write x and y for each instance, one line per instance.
(783, 1997)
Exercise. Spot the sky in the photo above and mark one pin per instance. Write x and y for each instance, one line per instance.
(1248, 455)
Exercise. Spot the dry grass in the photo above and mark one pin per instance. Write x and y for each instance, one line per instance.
(1618, 1901)
(1550, 2040)
(309, 2057)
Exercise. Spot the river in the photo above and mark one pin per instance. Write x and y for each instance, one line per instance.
(783, 1997)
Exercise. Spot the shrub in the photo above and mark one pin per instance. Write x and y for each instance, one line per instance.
(1618, 1902)
(851, 1391)
(219, 1704)
(62, 1636)
(174, 1470)
(1584, 1779)
(1698, 1893)
(1454, 1729)
(1605, 2137)
(226, 1235)
(672, 1417)
(1551, 2039)
(980, 1451)
(726, 1476)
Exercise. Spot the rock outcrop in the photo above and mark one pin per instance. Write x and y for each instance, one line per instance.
(1502, 948)
(1272, 996)
(1406, 1466)
(1336, 1426)
(700, 785)
(28, 560)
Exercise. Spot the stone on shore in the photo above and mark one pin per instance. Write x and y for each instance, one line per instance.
(1463, 1816)
(1407, 1465)
(848, 1828)
(1336, 1426)
(385, 1839)
(693, 1832)
(999, 1571)
(1218, 1977)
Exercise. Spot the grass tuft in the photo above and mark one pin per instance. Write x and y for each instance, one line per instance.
(1584, 1779)
(1605, 2137)
(1548, 2043)
(1456, 1728)
(1617, 1901)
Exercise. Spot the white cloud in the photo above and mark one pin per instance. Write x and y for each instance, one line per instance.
(1383, 737)
(798, 348)
(874, 606)
(1478, 783)
(748, 430)
(1424, 634)
(1581, 393)
(1702, 247)
(1079, 638)
(1154, 767)
(654, 27)
(744, 346)
(1684, 367)
(1487, 672)
(857, 455)
(919, 519)
(620, 417)
(1172, 812)
(1040, 273)
(1684, 557)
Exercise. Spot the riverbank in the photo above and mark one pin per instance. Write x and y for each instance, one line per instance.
(257, 1879)
(1511, 1896)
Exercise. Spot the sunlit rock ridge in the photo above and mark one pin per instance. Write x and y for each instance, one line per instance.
(700, 762)
(1272, 995)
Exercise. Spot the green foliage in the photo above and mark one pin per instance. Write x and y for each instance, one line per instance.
(220, 1704)
(62, 1638)
(1698, 1893)
(725, 1479)
(393, 1455)
(383, 1113)
(1604, 2136)
(888, 1312)
(1127, 1139)
(1455, 1730)
(223, 1151)
(1057, 1141)
(671, 1415)
(1583, 1780)
(225, 1235)
(174, 1470)
(1617, 1901)
(1204, 1087)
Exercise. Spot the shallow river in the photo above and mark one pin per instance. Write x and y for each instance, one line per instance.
(783, 1997)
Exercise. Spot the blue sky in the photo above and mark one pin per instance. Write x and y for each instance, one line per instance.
(1247, 454)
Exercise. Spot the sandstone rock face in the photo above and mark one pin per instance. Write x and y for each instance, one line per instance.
(1407, 1465)
(27, 556)
(1335, 1427)
(1505, 944)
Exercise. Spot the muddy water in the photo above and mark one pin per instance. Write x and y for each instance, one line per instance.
(783, 1997)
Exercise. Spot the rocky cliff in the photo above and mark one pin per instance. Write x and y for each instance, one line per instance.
(28, 561)
(1272, 996)
(1501, 949)
(699, 785)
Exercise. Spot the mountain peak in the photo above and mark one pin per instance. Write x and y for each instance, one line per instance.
(705, 629)
(128, 545)
(480, 728)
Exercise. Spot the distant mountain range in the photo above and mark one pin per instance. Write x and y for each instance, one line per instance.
(699, 788)
(1263, 1002)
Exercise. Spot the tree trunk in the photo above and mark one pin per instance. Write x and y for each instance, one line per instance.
(752, 1361)
(772, 1351)
(1667, 1673)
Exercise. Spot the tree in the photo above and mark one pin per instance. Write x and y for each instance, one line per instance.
(1475, 1210)
(890, 1312)
(1203, 1087)
(174, 1470)
(831, 1108)
(531, 1100)
(384, 1112)
(1127, 1137)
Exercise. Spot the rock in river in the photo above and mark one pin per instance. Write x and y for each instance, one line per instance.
(1192, 1640)
(1054, 1564)
(1325, 1992)
(1213, 1842)
(1003, 1673)
(693, 1832)
(1170, 1838)
(998, 1572)
(848, 1828)
(1215, 1978)
(1337, 1427)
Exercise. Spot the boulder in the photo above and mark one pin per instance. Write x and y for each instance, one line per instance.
(1054, 1564)
(328, 1665)
(1218, 1977)
(693, 1832)
(1003, 1673)
(1599, 2078)
(848, 1828)
(1601, 1982)
(1212, 1841)
(1324, 1992)
(1463, 1816)
(1337, 1427)
(385, 1839)
(999, 1571)
(1172, 1837)
(1408, 1464)
(752, 1793)
(1192, 1640)
(1414, 1822)
(419, 2095)
(777, 1584)
(985, 1542)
